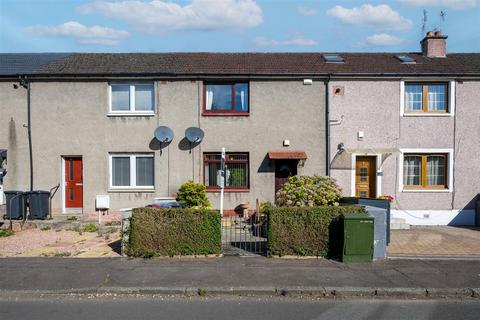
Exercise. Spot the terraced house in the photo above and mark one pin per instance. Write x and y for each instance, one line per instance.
(401, 124)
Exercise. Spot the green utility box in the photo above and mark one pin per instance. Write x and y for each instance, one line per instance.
(357, 238)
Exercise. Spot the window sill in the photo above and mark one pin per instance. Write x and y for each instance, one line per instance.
(130, 114)
(428, 115)
(225, 114)
(426, 190)
(130, 190)
(217, 190)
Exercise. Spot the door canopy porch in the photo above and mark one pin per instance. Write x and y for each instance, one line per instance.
(287, 155)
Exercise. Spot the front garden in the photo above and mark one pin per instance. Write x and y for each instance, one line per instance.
(303, 222)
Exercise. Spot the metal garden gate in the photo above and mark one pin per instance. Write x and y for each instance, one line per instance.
(244, 235)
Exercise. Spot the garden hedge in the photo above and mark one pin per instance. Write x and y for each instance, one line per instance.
(169, 232)
(304, 231)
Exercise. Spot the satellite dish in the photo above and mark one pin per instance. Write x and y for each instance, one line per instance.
(164, 134)
(194, 134)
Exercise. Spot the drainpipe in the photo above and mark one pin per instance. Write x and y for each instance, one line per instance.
(327, 127)
(25, 83)
(29, 124)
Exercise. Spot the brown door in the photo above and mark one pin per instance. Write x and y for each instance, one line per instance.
(284, 169)
(365, 177)
(73, 183)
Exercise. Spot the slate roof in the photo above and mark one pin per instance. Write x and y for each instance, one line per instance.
(178, 64)
(26, 63)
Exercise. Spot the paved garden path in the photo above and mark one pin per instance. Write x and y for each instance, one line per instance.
(439, 241)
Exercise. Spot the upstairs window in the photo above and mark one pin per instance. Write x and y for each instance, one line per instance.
(132, 98)
(236, 171)
(228, 98)
(426, 98)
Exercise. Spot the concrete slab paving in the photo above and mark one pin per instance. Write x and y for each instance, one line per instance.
(441, 241)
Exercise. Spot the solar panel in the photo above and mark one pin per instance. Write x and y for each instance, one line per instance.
(333, 57)
(405, 58)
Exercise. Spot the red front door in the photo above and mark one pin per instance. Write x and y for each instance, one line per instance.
(73, 183)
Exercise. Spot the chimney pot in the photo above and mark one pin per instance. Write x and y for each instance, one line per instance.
(438, 33)
(429, 34)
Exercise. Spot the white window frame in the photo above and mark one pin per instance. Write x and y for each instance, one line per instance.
(451, 98)
(133, 171)
(132, 111)
(450, 165)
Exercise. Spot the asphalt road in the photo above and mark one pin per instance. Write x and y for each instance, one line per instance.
(94, 307)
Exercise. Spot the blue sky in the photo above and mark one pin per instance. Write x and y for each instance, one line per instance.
(233, 25)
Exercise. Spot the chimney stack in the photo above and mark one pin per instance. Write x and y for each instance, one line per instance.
(434, 45)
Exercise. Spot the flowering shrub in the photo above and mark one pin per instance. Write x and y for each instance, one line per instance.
(309, 191)
(387, 197)
(193, 195)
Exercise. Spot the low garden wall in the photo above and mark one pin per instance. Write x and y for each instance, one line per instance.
(304, 231)
(168, 232)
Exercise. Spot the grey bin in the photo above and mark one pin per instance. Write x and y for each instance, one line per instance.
(15, 204)
(39, 204)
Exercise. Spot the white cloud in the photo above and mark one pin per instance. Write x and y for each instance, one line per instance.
(383, 40)
(96, 35)
(454, 4)
(160, 16)
(306, 11)
(298, 41)
(382, 16)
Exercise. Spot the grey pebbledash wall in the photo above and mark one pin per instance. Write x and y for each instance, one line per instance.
(69, 118)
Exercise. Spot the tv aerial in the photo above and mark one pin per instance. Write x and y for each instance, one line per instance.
(194, 136)
(164, 135)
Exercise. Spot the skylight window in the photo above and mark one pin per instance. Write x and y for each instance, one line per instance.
(405, 58)
(333, 57)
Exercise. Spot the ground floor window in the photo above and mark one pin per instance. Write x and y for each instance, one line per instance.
(425, 171)
(132, 171)
(236, 167)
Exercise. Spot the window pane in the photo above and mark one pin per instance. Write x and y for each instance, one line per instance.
(437, 97)
(212, 173)
(436, 170)
(412, 170)
(120, 97)
(413, 97)
(144, 171)
(219, 97)
(237, 175)
(120, 171)
(144, 97)
(241, 97)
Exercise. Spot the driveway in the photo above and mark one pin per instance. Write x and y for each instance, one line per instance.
(439, 241)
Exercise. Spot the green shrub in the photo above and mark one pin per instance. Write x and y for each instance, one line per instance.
(72, 218)
(169, 232)
(310, 191)
(45, 228)
(90, 227)
(193, 194)
(6, 233)
(304, 231)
